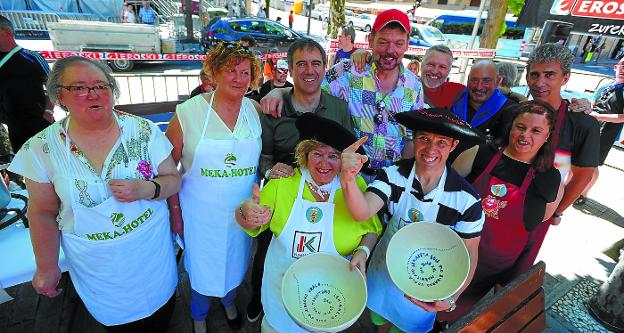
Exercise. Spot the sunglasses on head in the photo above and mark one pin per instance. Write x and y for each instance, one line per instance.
(236, 46)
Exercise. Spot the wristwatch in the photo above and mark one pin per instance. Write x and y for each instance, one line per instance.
(156, 189)
(451, 301)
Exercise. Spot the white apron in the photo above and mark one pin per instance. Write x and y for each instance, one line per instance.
(217, 250)
(309, 229)
(121, 258)
(384, 297)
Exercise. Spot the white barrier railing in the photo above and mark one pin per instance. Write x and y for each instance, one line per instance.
(148, 88)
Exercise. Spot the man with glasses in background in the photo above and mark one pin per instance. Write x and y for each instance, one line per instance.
(24, 105)
(279, 79)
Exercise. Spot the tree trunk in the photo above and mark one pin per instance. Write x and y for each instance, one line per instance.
(608, 304)
(188, 20)
(337, 17)
(493, 24)
(267, 5)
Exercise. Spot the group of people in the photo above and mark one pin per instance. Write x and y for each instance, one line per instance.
(347, 156)
(146, 15)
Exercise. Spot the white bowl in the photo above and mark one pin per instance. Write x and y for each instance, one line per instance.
(321, 294)
(427, 261)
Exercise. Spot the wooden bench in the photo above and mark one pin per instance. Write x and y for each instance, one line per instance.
(518, 307)
(158, 112)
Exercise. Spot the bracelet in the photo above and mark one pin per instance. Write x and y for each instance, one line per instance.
(175, 207)
(48, 111)
(267, 174)
(156, 189)
(364, 249)
(240, 209)
(555, 214)
(451, 301)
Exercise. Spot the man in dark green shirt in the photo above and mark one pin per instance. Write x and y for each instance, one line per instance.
(306, 61)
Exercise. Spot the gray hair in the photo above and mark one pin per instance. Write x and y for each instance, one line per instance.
(348, 30)
(54, 77)
(5, 24)
(438, 48)
(508, 72)
(551, 52)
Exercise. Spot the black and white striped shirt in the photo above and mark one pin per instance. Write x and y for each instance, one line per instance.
(459, 206)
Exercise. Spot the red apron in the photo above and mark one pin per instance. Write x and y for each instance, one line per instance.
(537, 236)
(503, 237)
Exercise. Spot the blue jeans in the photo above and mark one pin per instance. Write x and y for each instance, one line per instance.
(200, 304)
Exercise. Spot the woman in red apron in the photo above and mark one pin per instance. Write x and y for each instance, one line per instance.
(519, 188)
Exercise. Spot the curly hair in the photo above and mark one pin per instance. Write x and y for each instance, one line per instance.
(550, 52)
(543, 160)
(228, 55)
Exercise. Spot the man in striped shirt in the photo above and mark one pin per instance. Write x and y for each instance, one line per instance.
(423, 189)
(24, 105)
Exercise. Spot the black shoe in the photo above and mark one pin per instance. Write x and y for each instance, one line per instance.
(581, 200)
(236, 323)
(254, 310)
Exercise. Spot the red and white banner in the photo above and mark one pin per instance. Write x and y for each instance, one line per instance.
(419, 50)
(56, 55)
(413, 50)
(612, 10)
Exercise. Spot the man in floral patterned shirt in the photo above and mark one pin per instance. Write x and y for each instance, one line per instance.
(382, 90)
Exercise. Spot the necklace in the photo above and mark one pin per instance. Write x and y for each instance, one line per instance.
(319, 192)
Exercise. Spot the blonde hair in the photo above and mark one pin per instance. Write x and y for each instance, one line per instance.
(302, 150)
(227, 55)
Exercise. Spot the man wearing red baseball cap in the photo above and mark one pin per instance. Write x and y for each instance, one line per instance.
(384, 89)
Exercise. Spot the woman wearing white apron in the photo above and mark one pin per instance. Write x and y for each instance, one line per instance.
(307, 214)
(217, 139)
(100, 177)
(423, 189)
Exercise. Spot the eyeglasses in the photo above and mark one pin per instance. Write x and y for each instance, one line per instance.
(81, 91)
(282, 71)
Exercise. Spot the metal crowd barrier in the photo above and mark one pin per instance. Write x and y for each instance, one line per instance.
(38, 21)
(150, 88)
(29, 20)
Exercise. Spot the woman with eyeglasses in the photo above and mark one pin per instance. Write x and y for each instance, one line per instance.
(97, 181)
(216, 138)
(519, 189)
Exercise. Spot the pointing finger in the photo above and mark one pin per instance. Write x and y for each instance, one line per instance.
(354, 147)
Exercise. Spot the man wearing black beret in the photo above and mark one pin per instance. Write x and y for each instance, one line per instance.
(436, 194)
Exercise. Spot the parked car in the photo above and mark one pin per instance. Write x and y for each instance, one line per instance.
(268, 34)
(362, 21)
(320, 13)
(424, 35)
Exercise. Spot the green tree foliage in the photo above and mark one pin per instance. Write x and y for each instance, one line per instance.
(515, 6)
(337, 18)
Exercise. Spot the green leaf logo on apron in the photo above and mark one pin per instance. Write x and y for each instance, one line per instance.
(118, 219)
(230, 160)
(314, 214)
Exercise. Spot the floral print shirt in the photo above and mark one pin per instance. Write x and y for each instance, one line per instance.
(45, 158)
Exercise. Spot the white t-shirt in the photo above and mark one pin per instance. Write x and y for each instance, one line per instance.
(192, 116)
(44, 159)
(129, 16)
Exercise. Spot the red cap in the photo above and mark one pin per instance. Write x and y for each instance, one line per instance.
(391, 15)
